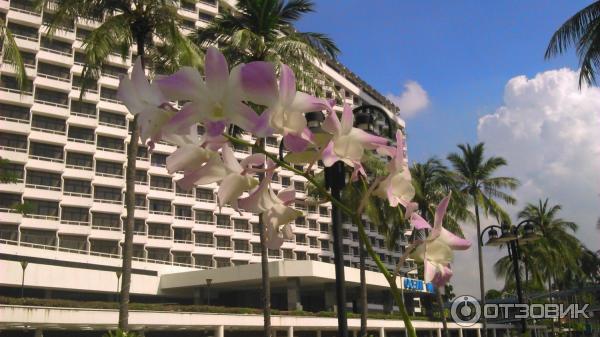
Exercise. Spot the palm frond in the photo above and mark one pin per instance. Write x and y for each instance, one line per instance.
(12, 55)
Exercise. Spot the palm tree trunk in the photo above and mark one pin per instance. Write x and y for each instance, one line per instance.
(127, 253)
(264, 264)
(363, 289)
(480, 258)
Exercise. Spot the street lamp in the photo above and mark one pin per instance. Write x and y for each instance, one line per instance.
(512, 237)
(335, 181)
(23, 267)
(208, 283)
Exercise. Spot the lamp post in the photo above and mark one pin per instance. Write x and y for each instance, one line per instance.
(511, 236)
(335, 181)
(23, 267)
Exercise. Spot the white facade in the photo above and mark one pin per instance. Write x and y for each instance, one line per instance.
(69, 159)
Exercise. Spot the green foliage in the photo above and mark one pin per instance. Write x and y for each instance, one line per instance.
(120, 333)
(263, 30)
(12, 55)
(582, 32)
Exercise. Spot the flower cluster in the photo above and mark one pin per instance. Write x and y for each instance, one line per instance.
(252, 97)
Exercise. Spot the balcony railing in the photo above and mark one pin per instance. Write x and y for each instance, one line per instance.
(42, 216)
(43, 187)
(12, 149)
(58, 105)
(79, 167)
(46, 130)
(106, 228)
(75, 222)
(110, 149)
(16, 91)
(108, 201)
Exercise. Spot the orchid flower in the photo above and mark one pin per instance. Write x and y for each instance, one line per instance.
(285, 106)
(276, 212)
(348, 143)
(146, 101)
(397, 186)
(437, 250)
(215, 101)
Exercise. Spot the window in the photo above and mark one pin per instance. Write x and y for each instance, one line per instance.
(51, 97)
(140, 201)
(56, 46)
(161, 183)
(39, 237)
(82, 33)
(13, 142)
(158, 206)
(312, 225)
(285, 181)
(182, 257)
(241, 246)
(14, 113)
(45, 180)
(301, 239)
(9, 232)
(108, 168)
(300, 221)
(159, 230)
(204, 217)
(324, 228)
(78, 83)
(223, 221)
(139, 252)
(182, 235)
(188, 24)
(9, 200)
(203, 261)
(81, 135)
(112, 119)
(79, 160)
(299, 186)
(113, 71)
(312, 242)
(108, 94)
(288, 254)
(203, 194)
(159, 159)
(102, 247)
(12, 172)
(300, 256)
(110, 144)
(139, 227)
(183, 212)
(68, 25)
(188, 5)
(204, 239)
(183, 193)
(50, 124)
(54, 72)
(323, 211)
(75, 216)
(223, 242)
(46, 152)
(142, 153)
(80, 58)
(274, 253)
(241, 225)
(272, 141)
(205, 17)
(107, 194)
(141, 177)
(42, 209)
(110, 221)
(9, 83)
(21, 31)
(75, 242)
(324, 245)
(83, 109)
(255, 228)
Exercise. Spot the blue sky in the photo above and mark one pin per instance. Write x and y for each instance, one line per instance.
(483, 60)
(461, 52)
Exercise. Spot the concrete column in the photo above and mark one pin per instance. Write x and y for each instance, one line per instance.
(293, 294)
(406, 332)
(354, 333)
(438, 333)
(220, 331)
(430, 333)
(290, 331)
(39, 333)
(494, 332)
(330, 297)
(318, 333)
(460, 333)
(381, 332)
(478, 332)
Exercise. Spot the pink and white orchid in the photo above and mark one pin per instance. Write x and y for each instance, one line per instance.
(215, 101)
(146, 101)
(285, 106)
(348, 143)
(276, 212)
(397, 186)
(437, 249)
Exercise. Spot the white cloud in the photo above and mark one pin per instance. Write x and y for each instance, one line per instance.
(549, 132)
(412, 100)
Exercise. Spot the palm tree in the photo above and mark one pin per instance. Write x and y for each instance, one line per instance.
(432, 182)
(474, 178)
(12, 55)
(583, 32)
(263, 30)
(127, 24)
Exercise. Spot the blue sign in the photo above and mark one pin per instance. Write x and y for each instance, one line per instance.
(418, 285)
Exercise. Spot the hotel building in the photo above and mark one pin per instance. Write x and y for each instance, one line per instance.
(68, 157)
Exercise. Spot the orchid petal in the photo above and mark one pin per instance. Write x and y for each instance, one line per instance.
(455, 242)
(259, 200)
(294, 143)
(418, 222)
(211, 172)
(216, 71)
(187, 157)
(347, 119)
(332, 123)
(185, 84)
(287, 85)
(368, 141)
(259, 82)
(256, 159)
(438, 252)
(303, 102)
(287, 195)
(231, 163)
(440, 212)
(329, 157)
(232, 187)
